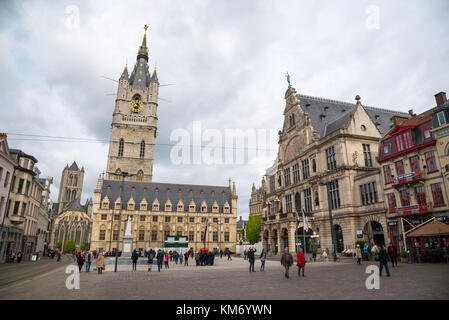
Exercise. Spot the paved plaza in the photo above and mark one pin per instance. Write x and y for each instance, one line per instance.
(231, 280)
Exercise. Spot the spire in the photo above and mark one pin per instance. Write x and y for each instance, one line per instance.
(125, 73)
(154, 76)
(143, 50)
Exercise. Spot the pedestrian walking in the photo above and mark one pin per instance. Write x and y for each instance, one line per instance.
(300, 262)
(263, 257)
(366, 251)
(221, 253)
(19, 256)
(87, 259)
(251, 259)
(358, 254)
(134, 257)
(229, 255)
(245, 254)
(393, 254)
(100, 263)
(150, 256)
(166, 261)
(80, 261)
(12, 257)
(159, 258)
(186, 258)
(325, 255)
(181, 256)
(197, 259)
(286, 261)
(383, 260)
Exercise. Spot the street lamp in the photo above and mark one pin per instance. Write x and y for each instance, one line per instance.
(123, 175)
(329, 201)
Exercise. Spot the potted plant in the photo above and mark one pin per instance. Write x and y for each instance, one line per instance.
(403, 256)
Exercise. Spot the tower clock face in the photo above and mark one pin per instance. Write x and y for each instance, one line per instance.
(135, 106)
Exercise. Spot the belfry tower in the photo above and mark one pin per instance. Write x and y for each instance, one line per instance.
(134, 121)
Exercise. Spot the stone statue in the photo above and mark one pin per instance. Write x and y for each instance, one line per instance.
(288, 79)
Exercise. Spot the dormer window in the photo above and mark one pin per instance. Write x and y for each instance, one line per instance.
(105, 205)
(226, 209)
(203, 209)
(130, 206)
(426, 134)
(143, 206)
(441, 118)
(386, 149)
(168, 207)
(117, 205)
(155, 207)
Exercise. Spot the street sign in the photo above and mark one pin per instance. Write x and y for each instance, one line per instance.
(359, 233)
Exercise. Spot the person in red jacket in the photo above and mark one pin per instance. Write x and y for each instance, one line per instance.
(300, 262)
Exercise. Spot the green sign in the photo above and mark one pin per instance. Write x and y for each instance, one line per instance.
(176, 241)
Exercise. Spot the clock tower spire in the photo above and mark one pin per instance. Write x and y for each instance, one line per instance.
(134, 121)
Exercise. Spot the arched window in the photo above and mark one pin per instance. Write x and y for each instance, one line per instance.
(118, 173)
(298, 201)
(67, 195)
(121, 146)
(75, 181)
(73, 194)
(70, 180)
(142, 149)
(139, 175)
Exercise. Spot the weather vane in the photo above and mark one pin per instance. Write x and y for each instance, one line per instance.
(288, 79)
(145, 27)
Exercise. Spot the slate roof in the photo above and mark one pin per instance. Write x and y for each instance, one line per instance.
(241, 224)
(163, 194)
(337, 114)
(75, 205)
(74, 167)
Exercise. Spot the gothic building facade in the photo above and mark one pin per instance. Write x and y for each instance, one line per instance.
(205, 214)
(71, 186)
(326, 147)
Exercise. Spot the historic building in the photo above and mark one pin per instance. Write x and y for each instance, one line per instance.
(24, 201)
(71, 186)
(326, 147)
(9, 234)
(43, 221)
(156, 209)
(414, 186)
(256, 200)
(440, 125)
(74, 223)
(241, 231)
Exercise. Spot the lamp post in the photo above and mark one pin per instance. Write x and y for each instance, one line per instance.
(123, 175)
(329, 201)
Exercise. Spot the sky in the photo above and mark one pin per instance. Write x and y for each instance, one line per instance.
(226, 62)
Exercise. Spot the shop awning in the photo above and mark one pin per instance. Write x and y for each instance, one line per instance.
(432, 229)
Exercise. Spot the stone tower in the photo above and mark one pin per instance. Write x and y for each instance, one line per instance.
(134, 121)
(71, 185)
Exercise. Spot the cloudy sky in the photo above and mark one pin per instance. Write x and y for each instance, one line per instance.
(227, 61)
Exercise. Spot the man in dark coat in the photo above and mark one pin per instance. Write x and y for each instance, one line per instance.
(80, 261)
(134, 258)
(286, 261)
(251, 259)
(393, 254)
(383, 260)
(159, 258)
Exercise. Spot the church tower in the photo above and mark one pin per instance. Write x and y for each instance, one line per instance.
(134, 121)
(71, 186)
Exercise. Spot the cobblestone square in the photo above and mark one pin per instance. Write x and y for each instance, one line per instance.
(232, 280)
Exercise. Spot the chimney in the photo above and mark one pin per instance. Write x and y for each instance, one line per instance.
(410, 112)
(240, 218)
(440, 98)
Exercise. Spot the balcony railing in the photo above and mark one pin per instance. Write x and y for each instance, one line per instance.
(16, 219)
(271, 217)
(407, 178)
(412, 209)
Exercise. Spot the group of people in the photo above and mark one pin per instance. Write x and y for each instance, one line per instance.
(380, 253)
(287, 262)
(86, 257)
